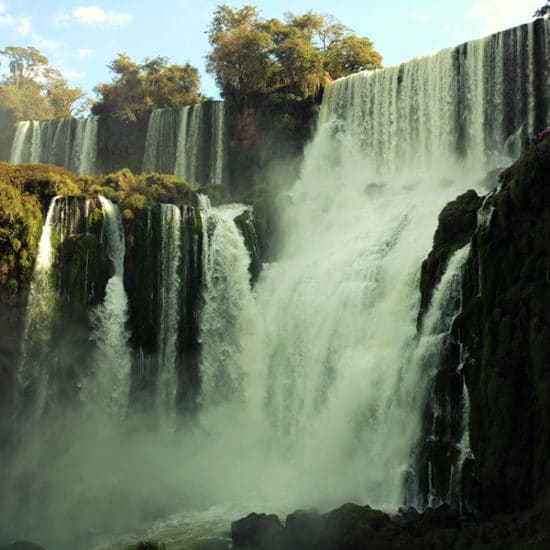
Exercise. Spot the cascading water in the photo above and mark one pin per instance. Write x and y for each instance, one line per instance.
(227, 303)
(434, 338)
(71, 143)
(33, 373)
(187, 142)
(338, 310)
(107, 387)
(311, 387)
(169, 287)
(84, 153)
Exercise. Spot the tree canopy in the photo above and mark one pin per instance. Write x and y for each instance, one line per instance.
(543, 11)
(33, 89)
(252, 55)
(140, 87)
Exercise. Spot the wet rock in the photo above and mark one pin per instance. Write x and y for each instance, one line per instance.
(260, 531)
(304, 529)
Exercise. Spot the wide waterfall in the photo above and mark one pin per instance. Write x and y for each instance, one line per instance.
(188, 142)
(308, 389)
(67, 142)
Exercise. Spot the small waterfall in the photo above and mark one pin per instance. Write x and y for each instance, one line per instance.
(17, 154)
(227, 304)
(66, 142)
(217, 154)
(188, 142)
(34, 371)
(169, 310)
(161, 140)
(434, 338)
(84, 149)
(107, 388)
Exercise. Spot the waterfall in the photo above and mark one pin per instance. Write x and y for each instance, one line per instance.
(34, 370)
(169, 315)
(106, 389)
(472, 104)
(160, 141)
(18, 146)
(342, 385)
(84, 151)
(227, 304)
(434, 338)
(66, 142)
(187, 142)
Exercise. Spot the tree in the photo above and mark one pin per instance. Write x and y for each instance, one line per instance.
(295, 56)
(138, 88)
(543, 11)
(34, 90)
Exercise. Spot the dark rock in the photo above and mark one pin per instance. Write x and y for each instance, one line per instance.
(304, 529)
(456, 225)
(257, 531)
(409, 513)
(442, 517)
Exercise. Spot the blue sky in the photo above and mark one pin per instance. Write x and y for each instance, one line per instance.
(81, 38)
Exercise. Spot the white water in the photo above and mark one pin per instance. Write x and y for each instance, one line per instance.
(227, 307)
(187, 142)
(34, 372)
(445, 304)
(106, 389)
(84, 153)
(169, 316)
(71, 143)
(312, 386)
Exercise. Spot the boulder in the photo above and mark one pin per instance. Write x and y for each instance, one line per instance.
(259, 531)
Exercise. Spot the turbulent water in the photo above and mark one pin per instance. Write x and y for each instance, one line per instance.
(71, 143)
(108, 387)
(188, 142)
(311, 384)
(169, 286)
(33, 375)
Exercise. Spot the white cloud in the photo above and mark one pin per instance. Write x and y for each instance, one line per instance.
(497, 15)
(6, 20)
(70, 74)
(94, 15)
(84, 52)
(17, 23)
(61, 18)
(46, 44)
(23, 25)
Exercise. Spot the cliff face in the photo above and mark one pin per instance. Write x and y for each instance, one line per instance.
(503, 335)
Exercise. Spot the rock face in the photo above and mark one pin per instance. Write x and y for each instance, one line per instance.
(503, 332)
(456, 224)
(349, 527)
(257, 531)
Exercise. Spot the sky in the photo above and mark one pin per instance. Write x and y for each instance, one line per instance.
(81, 38)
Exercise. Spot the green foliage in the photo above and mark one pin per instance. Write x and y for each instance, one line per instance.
(138, 88)
(251, 55)
(20, 224)
(34, 90)
(543, 11)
